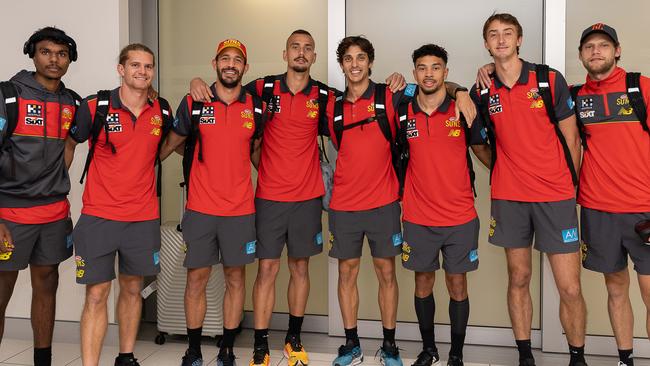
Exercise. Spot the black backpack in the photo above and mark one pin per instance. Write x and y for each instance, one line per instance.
(380, 117)
(634, 94)
(99, 124)
(402, 146)
(10, 95)
(544, 90)
(193, 140)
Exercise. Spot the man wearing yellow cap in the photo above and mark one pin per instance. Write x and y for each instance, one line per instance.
(221, 136)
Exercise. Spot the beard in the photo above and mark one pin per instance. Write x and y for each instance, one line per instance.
(299, 68)
(227, 83)
(601, 69)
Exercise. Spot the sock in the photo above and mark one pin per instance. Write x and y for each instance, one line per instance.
(228, 340)
(194, 338)
(425, 309)
(524, 349)
(295, 325)
(43, 356)
(625, 355)
(352, 337)
(262, 338)
(458, 315)
(389, 336)
(577, 354)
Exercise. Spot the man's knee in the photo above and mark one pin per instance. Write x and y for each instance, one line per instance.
(519, 278)
(299, 267)
(618, 284)
(235, 278)
(45, 279)
(385, 270)
(267, 270)
(197, 280)
(457, 287)
(97, 295)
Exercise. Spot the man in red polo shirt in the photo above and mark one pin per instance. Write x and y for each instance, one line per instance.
(614, 190)
(532, 190)
(438, 202)
(35, 226)
(120, 208)
(219, 221)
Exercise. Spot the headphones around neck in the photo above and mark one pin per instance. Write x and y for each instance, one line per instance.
(56, 35)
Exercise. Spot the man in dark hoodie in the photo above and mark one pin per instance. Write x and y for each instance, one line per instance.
(34, 213)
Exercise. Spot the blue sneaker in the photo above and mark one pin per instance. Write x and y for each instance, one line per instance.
(192, 358)
(226, 357)
(349, 355)
(389, 355)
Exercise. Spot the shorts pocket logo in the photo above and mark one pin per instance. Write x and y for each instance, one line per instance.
(473, 255)
(156, 258)
(250, 247)
(406, 252)
(570, 235)
(319, 238)
(397, 239)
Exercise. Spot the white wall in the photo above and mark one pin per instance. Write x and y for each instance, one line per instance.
(100, 29)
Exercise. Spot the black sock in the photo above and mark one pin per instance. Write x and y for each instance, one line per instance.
(262, 338)
(194, 338)
(524, 348)
(458, 315)
(577, 354)
(352, 337)
(389, 336)
(425, 309)
(625, 355)
(295, 325)
(228, 340)
(43, 356)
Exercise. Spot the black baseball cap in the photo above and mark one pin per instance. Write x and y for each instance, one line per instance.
(599, 28)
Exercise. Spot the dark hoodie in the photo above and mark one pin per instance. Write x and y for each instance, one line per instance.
(37, 175)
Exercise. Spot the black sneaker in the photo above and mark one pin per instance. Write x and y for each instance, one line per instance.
(428, 357)
(226, 357)
(579, 363)
(455, 361)
(126, 361)
(527, 362)
(192, 358)
(261, 357)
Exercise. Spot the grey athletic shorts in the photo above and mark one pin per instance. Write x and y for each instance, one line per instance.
(298, 224)
(381, 225)
(218, 239)
(423, 244)
(38, 244)
(608, 238)
(554, 225)
(97, 240)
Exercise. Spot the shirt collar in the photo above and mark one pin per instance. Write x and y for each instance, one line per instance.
(116, 102)
(285, 88)
(369, 93)
(442, 108)
(241, 98)
(523, 77)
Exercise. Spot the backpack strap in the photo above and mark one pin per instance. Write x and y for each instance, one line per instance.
(544, 89)
(99, 123)
(323, 129)
(633, 86)
(267, 95)
(258, 118)
(574, 90)
(77, 98)
(470, 163)
(10, 95)
(164, 131)
(338, 118)
(380, 112)
(402, 144)
(484, 109)
(193, 138)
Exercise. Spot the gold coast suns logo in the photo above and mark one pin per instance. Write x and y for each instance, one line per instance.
(535, 98)
(247, 117)
(624, 102)
(371, 108)
(406, 252)
(156, 122)
(66, 118)
(81, 265)
(312, 108)
(454, 127)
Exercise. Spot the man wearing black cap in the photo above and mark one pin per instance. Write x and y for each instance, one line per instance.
(36, 111)
(616, 154)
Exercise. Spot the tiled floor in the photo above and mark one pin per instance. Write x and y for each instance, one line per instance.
(321, 352)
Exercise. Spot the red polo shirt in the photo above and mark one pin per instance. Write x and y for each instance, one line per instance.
(615, 173)
(530, 164)
(221, 184)
(121, 186)
(289, 168)
(364, 177)
(437, 189)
